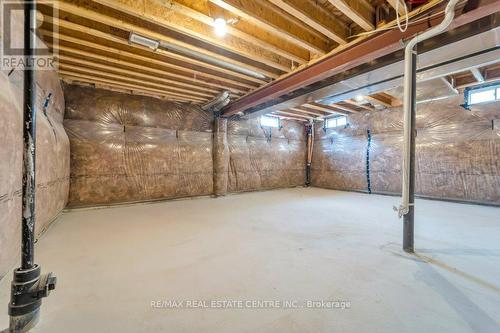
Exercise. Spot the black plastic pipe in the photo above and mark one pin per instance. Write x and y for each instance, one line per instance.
(29, 134)
(408, 219)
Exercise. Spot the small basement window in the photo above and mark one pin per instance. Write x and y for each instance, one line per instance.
(336, 122)
(268, 121)
(483, 94)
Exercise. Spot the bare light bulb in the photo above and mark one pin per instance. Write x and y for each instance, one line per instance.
(220, 27)
(359, 98)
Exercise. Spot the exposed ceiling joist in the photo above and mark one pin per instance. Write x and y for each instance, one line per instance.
(314, 113)
(325, 108)
(359, 105)
(289, 118)
(400, 8)
(303, 10)
(477, 75)
(190, 74)
(294, 114)
(357, 11)
(163, 13)
(182, 80)
(107, 71)
(344, 108)
(259, 14)
(384, 99)
(140, 72)
(260, 41)
(123, 85)
(123, 25)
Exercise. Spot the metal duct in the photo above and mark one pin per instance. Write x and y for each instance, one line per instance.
(218, 102)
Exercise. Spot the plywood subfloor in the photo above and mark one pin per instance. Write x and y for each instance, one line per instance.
(286, 245)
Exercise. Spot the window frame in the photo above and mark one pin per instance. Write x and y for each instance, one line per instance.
(336, 120)
(470, 91)
(276, 119)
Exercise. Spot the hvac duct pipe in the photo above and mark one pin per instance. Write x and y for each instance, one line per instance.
(28, 286)
(406, 208)
(219, 101)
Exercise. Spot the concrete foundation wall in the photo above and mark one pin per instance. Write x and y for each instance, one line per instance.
(52, 163)
(456, 157)
(127, 148)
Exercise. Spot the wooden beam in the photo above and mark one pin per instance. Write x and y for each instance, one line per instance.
(303, 10)
(179, 80)
(113, 22)
(141, 72)
(66, 69)
(401, 8)
(93, 79)
(260, 14)
(324, 108)
(344, 108)
(66, 25)
(359, 105)
(189, 73)
(294, 114)
(234, 31)
(288, 118)
(109, 87)
(477, 75)
(104, 70)
(384, 99)
(163, 13)
(314, 113)
(356, 11)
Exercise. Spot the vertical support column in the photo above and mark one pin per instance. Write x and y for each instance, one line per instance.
(220, 156)
(28, 286)
(408, 218)
(310, 143)
(29, 134)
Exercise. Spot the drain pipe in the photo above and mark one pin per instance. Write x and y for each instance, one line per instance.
(406, 209)
(28, 286)
(310, 147)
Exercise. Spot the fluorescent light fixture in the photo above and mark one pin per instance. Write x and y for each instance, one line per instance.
(220, 27)
(144, 41)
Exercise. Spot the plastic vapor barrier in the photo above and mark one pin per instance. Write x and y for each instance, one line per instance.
(456, 157)
(127, 148)
(52, 160)
(264, 157)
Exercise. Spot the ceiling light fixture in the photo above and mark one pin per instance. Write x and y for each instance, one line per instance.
(220, 27)
(144, 41)
(359, 98)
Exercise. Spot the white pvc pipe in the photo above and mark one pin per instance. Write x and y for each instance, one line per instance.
(407, 100)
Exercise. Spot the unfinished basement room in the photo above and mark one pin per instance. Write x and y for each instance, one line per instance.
(250, 166)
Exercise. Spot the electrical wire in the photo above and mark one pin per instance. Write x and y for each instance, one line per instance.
(398, 18)
(394, 25)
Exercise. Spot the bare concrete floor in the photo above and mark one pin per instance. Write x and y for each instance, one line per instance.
(286, 245)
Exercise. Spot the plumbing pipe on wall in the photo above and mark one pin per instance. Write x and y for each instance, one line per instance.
(409, 134)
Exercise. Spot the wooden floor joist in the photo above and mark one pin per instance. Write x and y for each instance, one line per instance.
(232, 30)
(114, 22)
(304, 10)
(190, 74)
(165, 15)
(357, 11)
(91, 79)
(148, 83)
(255, 12)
